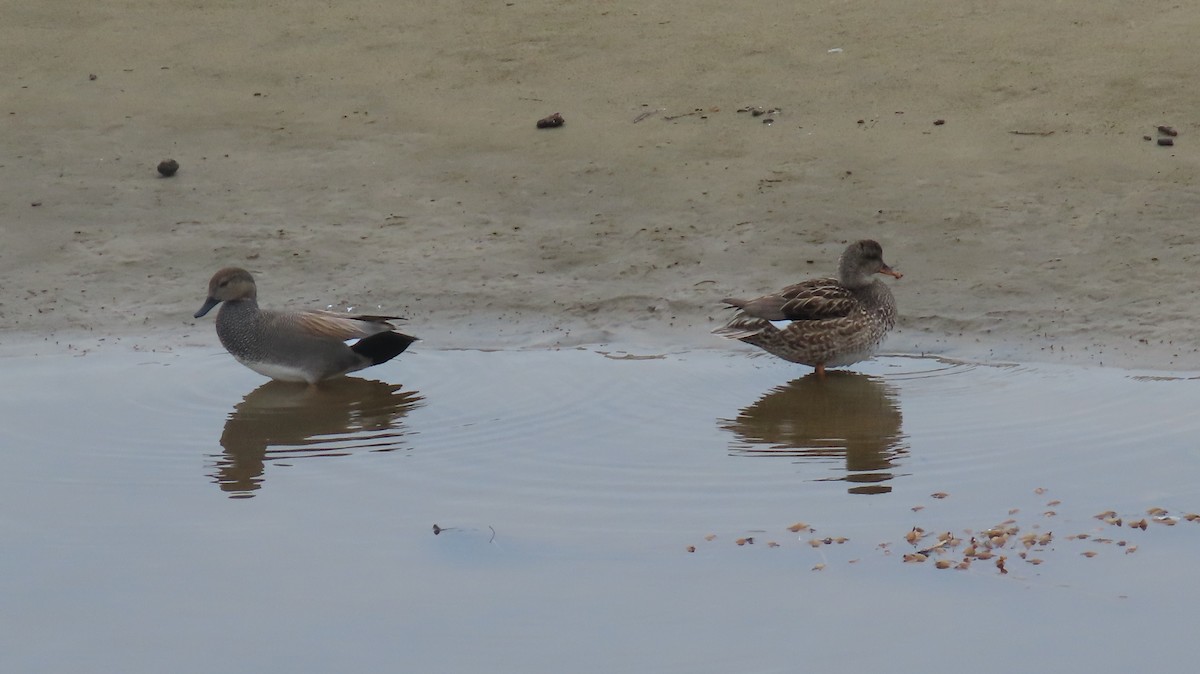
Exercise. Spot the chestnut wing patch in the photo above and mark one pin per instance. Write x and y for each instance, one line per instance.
(340, 326)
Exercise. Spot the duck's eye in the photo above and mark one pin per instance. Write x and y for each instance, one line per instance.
(224, 283)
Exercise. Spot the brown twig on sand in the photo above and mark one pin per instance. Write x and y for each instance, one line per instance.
(686, 114)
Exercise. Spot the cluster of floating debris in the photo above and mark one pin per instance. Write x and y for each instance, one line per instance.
(999, 545)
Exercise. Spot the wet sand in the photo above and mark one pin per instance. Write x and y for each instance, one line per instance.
(385, 156)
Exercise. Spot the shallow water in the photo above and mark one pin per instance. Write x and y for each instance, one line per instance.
(173, 512)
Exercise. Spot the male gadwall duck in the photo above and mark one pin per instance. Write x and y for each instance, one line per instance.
(305, 346)
(825, 321)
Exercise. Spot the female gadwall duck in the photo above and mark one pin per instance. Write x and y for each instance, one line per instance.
(303, 346)
(827, 322)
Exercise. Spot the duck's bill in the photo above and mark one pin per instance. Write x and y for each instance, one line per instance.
(208, 305)
(890, 272)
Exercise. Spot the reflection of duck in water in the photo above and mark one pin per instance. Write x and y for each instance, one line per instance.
(842, 415)
(279, 420)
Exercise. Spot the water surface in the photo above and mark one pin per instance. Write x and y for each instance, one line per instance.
(176, 512)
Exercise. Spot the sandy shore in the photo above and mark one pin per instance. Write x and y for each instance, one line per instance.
(384, 155)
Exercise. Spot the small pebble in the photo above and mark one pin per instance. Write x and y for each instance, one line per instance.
(168, 167)
(1167, 131)
(551, 122)
(1166, 142)
(939, 122)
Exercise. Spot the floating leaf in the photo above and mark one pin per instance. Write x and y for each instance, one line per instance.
(1088, 553)
(939, 494)
(797, 527)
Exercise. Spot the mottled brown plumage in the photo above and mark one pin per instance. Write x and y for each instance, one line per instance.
(829, 321)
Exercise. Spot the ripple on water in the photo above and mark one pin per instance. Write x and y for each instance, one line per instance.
(609, 433)
(1041, 425)
(574, 424)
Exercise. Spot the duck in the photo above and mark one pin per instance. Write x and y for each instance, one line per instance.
(822, 322)
(297, 346)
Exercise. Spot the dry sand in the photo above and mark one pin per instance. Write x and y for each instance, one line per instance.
(383, 155)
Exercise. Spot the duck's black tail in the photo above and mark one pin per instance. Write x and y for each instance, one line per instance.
(383, 346)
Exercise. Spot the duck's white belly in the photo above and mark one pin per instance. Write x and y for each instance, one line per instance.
(277, 371)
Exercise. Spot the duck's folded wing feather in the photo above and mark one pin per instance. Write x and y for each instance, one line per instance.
(341, 326)
(815, 300)
(810, 300)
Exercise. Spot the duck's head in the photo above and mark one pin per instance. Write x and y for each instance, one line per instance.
(228, 285)
(862, 260)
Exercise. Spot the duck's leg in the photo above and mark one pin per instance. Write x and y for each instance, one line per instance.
(820, 370)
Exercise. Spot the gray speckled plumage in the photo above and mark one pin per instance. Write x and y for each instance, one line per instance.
(296, 345)
(827, 322)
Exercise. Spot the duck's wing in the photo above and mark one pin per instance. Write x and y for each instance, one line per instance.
(814, 299)
(340, 326)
